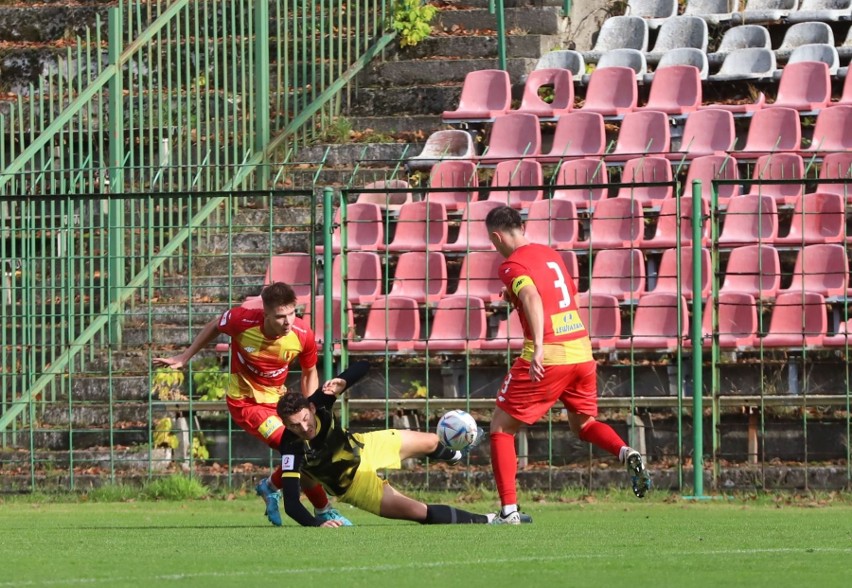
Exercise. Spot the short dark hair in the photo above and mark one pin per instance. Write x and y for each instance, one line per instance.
(504, 218)
(290, 404)
(278, 294)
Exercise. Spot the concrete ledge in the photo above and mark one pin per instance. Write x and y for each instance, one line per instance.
(476, 46)
(435, 71)
(402, 123)
(546, 20)
(412, 100)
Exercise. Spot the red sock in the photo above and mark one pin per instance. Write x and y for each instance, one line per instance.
(275, 478)
(603, 436)
(317, 496)
(504, 462)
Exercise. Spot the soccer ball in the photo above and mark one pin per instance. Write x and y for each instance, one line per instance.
(457, 430)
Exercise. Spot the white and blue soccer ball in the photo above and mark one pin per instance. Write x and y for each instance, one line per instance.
(457, 430)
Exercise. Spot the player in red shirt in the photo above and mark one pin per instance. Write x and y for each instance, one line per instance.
(556, 362)
(263, 343)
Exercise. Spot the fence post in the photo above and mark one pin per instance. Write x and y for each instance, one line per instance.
(116, 172)
(261, 87)
(497, 7)
(697, 350)
(327, 277)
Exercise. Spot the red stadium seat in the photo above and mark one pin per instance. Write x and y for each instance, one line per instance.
(459, 324)
(837, 166)
(833, 130)
(737, 320)
(513, 136)
(804, 85)
(393, 324)
(365, 228)
(772, 130)
(660, 323)
(473, 236)
(676, 270)
(577, 172)
(509, 336)
(514, 181)
(668, 226)
(486, 94)
(562, 83)
(619, 273)
(601, 316)
(318, 316)
(420, 226)
(714, 167)
(642, 132)
(453, 174)
(478, 277)
(421, 276)
(817, 218)
(577, 134)
(706, 132)
(821, 268)
(750, 219)
(363, 276)
(295, 269)
(386, 200)
(554, 223)
(779, 166)
(798, 320)
(612, 91)
(647, 170)
(616, 223)
(753, 269)
(675, 90)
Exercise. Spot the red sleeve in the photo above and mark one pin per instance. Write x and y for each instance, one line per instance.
(236, 320)
(309, 356)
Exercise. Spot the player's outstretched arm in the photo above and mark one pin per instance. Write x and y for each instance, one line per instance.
(202, 340)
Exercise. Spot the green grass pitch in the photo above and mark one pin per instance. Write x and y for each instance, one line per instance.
(601, 542)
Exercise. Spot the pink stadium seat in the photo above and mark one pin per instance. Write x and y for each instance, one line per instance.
(486, 94)
(642, 170)
(513, 136)
(619, 273)
(714, 167)
(509, 336)
(612, 91)
(581, 171)
(561, 83)
(772, 130)
(642, 132)
(365, 228)
(675, 89)
(421, 276)
(750, 219)
(319, 320)
(668, 226)
(655, 324)
(478, 276)
(364, 276)
(387, 200)
(670, 277)
(805, 86)
(554, 223)
(393, 324)
(821, 268)
(833, 130)
(453, 174)
(798, 320)
(737, 320)
(459, 324)
(841, 337)
(739, 108)
(778, 166)
(837, 166)
(753, 269)
(601, 316)
(421, 226)
(706, 132)
(577, 134)
(616, 222)
(473, 236)
(846, 96)
(295, 269)
(817, 218)
(520, 175)
(569, 258)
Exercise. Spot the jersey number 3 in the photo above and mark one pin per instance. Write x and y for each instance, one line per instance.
(560, 284)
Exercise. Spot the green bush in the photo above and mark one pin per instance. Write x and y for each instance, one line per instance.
(411, 20)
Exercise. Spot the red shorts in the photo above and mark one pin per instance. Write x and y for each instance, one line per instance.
(258, 420)
(574, 384)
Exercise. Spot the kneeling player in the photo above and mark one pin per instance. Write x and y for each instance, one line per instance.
(345, 463)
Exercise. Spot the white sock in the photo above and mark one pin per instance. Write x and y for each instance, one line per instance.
(622, 453)
(508, 509)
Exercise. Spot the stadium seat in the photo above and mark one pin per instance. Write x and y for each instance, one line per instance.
(453, 174)
(706, 132)
(509, 336)
(601, 315)
(676, 269)
(817, 52)
(837, 166)
(421, 276)
(296, 269)
(668, 227)
(846, 95)
(804, 86)
(563, 59)
(514, 183)
(577, 172)
(612, 91)
(752, 63)
(833, 130)
(803, 33)
(712, 11)
(387, 200)
(364, 228)
(393, 324)
(675, 90)
(513, 136)
(444, 145)
(683, 56)
(752, 218)
(572, 264)
(632, 58)
(741, 37)
(616, 222)
(485, 95)
(822, 10)
(337, 320)
(642, 132)
(845, 50)
(363, 276)
(841, 337)
(819, 217)
(619, 273)
(714, 167)
(677, 33)
(642, 170)
(656, 12)
(553, 222)
(577, 134)
(762, 11)
(661, 321)
(473, 236)
(798, 320)
(737, 320)
(778, 166)
(459, 324)
(753, 269)
(479, 276)
(561, 84)
(421, 226)
(619, 32)
(821, 268)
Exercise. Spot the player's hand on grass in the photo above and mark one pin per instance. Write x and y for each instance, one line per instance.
(332, 523)
(537, 365)
(334, 386)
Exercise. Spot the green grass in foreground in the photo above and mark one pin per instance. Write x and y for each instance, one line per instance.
(609, 540)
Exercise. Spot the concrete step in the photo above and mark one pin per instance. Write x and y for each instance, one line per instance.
(413, 100)
(93, 437)
(122, 387)
(122, 458)
(441, 71)
(80, 416)
(425, 123)
(546, 20)
(350, 154)
(480, 46)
